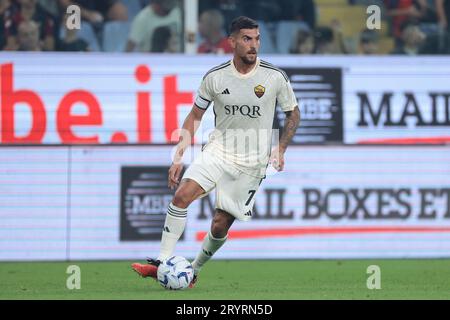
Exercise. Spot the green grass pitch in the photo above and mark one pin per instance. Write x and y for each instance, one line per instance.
(227, 280)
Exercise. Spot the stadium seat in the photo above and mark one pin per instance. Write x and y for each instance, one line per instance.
(86, 33)
(286, 32)
(267, 45)
(115, 35)
(384, 31)
(387, 45)
(352, 18)
(133, 7)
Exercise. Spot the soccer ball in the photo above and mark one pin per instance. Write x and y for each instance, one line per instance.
(175, 273)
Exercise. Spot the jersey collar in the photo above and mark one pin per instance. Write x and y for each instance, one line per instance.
(247, 75)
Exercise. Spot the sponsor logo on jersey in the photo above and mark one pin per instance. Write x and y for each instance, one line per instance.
(245, 110)
(259, 90)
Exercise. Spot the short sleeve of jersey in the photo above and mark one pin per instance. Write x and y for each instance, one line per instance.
(204, 94)
(286, 96)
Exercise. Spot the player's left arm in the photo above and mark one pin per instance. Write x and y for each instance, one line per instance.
(291, 124)
(286, 99)
(290, 127)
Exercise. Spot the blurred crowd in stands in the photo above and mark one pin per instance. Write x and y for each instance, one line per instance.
(408, 27)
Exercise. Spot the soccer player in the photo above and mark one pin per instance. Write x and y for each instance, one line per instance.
(243, 93)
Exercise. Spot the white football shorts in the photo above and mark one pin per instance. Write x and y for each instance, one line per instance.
(235, 190)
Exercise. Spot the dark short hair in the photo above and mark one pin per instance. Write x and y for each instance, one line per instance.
(300, 38)
(160, 38)
(242, 23)
(323, 34)
(368, 35)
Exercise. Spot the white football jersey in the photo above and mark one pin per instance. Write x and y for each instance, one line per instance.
(244, 109)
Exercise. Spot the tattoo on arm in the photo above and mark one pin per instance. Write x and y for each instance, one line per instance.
(290, 127)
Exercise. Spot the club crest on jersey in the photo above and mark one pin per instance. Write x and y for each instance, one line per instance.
(259, 90)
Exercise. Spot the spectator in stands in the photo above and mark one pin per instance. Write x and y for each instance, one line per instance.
(368, 42)
(443, 16)
(96, 12)
(211, 29)
(264, 10)
(70, 41)
(28, 36)
(428, 11)
(30, 10)
(304, 10)
(50, 6)
(230, 9)
(274, 11)
(158, 13)
(164, 40)
(330, 40)
(338, 36)
(402, 11)
(412, 40)
(5, 13)
(324, 41)
(304, 43)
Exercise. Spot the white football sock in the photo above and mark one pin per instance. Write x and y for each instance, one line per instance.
(209, 247)
(173, 229)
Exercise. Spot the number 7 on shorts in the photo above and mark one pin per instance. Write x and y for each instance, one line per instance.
(252, 193)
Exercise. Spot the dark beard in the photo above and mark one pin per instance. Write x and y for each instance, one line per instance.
(246, 61)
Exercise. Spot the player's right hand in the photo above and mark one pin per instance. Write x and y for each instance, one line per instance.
(174, 174)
